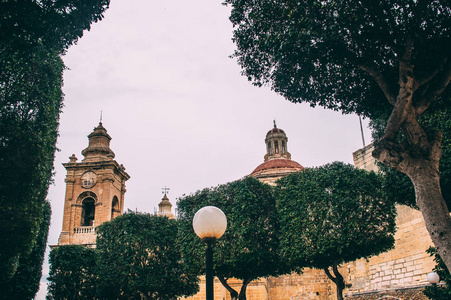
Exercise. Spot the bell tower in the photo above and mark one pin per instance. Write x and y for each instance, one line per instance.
(95, 189)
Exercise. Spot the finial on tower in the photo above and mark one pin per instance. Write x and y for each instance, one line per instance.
(275, 126)
(100, 117)
(165, 190)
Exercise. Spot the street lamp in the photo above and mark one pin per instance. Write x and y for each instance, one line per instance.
(209, 224)
(433, 278)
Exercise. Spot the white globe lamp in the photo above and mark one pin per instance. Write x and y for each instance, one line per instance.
(433, 278)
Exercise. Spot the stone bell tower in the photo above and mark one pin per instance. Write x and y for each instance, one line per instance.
(95, 189)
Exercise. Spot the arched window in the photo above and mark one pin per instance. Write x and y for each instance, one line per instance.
(269, 148)
(88, 212)
(115, 209)
(284, 150)
(276, 146)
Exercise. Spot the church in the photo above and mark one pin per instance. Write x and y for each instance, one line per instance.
(95, 189)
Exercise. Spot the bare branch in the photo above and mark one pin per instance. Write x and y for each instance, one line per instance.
(381, 81)
(403, 105)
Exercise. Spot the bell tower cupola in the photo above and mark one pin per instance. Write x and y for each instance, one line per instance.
(165, 207)
(278, 161)
(99, 145)
(276, 144)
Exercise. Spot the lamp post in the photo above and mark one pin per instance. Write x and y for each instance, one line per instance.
(209, 223)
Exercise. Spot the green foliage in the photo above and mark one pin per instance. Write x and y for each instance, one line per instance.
(33, 35)
(332, 215)
(72, 273)
(139, 258)
(56, 24)
(320, 52)
(439, 292)
(249, 249)
(25, 282)
(30, 102)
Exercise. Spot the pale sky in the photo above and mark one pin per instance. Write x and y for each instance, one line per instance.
(179, 113)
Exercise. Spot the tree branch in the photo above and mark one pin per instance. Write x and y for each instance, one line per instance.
(330, 275)
(338, 276)
(381, 81)
(405, 94)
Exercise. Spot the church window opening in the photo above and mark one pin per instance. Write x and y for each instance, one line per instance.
(115, 211)
(276, 146)
(269, 148)
(88, 212)
(284, 151)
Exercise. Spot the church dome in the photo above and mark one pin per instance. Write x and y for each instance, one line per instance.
(277, 165)
(275, 130)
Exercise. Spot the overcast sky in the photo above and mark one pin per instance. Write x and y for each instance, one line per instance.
(179, 113)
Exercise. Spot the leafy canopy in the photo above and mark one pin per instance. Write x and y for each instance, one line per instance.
(139, 258)
(72, 273)
(333, 214)
(329, 53)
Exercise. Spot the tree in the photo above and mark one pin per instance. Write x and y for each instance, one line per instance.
(139, 258)
(25, 282)
(72, 273)
(332, 215)
(370, 58)
(437, 292)
(249, 249)
(33, 36)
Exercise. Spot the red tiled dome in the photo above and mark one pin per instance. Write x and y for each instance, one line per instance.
(275, 130)
(278, 164)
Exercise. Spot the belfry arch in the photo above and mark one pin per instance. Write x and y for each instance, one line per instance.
(88, 212)
(115, 208)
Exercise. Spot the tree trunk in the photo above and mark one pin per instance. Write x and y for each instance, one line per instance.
(338, 280)
(242, 295)
(232, 292)
(426, 180)
(425, 176)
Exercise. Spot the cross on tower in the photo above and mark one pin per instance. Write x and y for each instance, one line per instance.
(165, 190)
